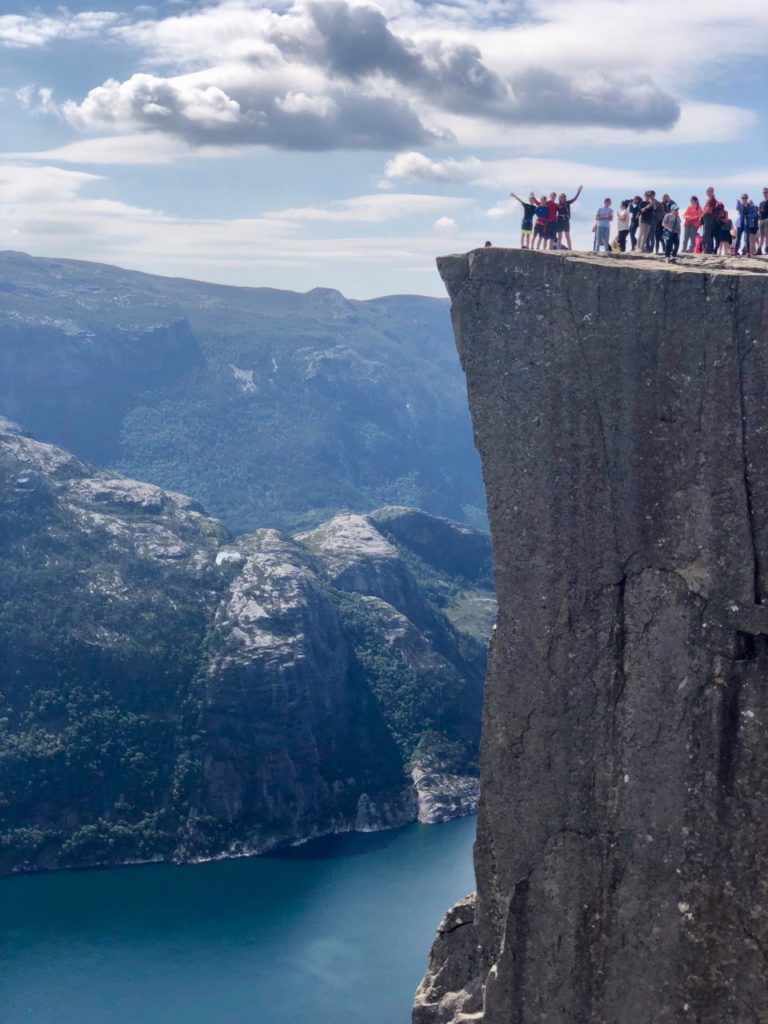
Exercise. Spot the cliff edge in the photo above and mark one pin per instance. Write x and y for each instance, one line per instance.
(620, 408)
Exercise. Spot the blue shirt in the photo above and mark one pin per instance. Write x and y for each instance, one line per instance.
(603, 217)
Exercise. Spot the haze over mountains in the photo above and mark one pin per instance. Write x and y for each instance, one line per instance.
(170, 690)
(272, 408)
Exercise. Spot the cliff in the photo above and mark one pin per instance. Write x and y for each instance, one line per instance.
(620, 408)
(169, 693)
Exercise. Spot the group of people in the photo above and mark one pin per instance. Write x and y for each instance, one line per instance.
(546, 221)
(648, 224)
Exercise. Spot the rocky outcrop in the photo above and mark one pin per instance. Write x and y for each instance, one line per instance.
(620, 407)
(170, 693)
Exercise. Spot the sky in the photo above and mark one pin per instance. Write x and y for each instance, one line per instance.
(346, 143)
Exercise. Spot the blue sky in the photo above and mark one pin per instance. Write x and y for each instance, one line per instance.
(345, 143)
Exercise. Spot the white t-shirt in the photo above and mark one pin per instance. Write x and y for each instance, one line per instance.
(622, 220)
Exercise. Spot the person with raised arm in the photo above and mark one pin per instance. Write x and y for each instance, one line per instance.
(563, 222)
(540, 224)
(526, 228)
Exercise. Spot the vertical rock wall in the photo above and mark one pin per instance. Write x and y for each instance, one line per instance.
(620, 407)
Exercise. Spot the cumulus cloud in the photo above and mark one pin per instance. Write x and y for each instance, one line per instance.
(239, 107)
(23, 32)
(412, 166)
(340, 74)
(371, 208)
(445, 225)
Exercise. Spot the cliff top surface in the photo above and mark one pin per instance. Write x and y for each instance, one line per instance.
(686, 263)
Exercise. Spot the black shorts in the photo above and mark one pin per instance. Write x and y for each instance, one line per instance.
(562, 225)
(538, 230)
(551, 230)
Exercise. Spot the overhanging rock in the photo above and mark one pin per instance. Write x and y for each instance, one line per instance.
(620, 407)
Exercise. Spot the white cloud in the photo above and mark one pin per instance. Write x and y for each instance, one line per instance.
(19, 31)
(320, 75)
(446, 225)
(139, 149)
(414, 166)
(372, 209)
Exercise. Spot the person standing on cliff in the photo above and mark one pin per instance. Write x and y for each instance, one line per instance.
(602, 228)
(691, 224)
(551, 231)
(529, 209)
(671, 228)
(623, 219)
(646, 221)
(563, 223)
(762, 224)
(709, 221)
(746, 226)
(540, 225)
(634, 224)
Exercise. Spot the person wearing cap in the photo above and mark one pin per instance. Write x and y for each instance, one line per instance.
(670, 226)
(762, 223)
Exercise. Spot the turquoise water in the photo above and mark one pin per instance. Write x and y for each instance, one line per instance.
(336, 932)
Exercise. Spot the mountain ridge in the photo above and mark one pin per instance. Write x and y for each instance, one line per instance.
(275, 408)
(173, 692)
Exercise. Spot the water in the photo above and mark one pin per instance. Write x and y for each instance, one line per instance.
(336, 932)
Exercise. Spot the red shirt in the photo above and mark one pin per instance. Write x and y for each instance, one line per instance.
(551, 210)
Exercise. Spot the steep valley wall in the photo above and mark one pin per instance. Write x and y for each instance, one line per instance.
(620, 407)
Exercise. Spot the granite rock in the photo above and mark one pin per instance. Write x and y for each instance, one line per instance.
(620, 408)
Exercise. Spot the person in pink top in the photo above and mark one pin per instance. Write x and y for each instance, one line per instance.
(691, 223)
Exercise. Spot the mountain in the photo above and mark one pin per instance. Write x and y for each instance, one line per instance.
(273, 408)
(169, 691)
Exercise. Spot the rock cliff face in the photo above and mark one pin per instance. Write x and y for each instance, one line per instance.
(169, 693)
(620, 407)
